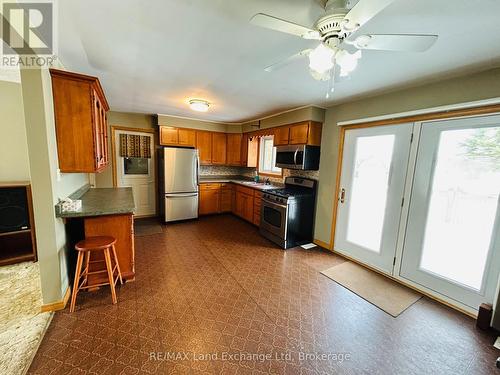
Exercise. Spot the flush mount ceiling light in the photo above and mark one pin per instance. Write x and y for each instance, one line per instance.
(199, 105)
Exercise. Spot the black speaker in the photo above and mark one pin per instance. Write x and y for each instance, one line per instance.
(14, 214)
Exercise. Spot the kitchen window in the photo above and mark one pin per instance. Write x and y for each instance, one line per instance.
(267, 157)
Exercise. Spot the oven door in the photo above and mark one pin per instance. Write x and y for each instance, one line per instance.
(291, 157)
(274, 218)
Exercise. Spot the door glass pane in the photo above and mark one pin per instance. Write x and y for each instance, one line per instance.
(463, 205)
(370, 183)
(136, 166)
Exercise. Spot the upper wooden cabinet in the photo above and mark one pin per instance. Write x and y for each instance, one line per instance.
(187, 137)
(204, 146)
(281, 135)
(234, 149)
(219, 148)
(170, 136)
(81, 124)
(298, 134)
(304, 133)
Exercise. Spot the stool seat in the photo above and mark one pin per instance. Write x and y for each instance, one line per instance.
(95, 243)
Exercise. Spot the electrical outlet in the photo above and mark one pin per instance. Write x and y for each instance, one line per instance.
(58, 175)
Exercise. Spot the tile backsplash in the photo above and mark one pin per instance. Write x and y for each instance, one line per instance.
(216, 170)
(221, 170)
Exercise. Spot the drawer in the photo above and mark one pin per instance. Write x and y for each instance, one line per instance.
(257, 194)
(209, 186)
(226, 186)
(245, 190)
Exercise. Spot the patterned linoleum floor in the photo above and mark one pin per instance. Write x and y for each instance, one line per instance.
(213, 297)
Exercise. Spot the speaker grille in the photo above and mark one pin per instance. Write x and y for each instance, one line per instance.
(14, 215)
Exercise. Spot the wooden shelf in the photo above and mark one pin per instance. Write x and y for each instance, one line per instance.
(19, 246)
(16, 232)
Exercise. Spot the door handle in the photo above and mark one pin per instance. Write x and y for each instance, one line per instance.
(342, 195)
(295, 156)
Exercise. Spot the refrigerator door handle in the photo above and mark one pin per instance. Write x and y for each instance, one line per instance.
(197, 169)
(181, 195)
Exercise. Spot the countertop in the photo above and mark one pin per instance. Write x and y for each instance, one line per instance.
(101, 202)
(240, 180)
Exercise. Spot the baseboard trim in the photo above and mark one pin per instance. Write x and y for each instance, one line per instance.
(322, 244)
(60, 305)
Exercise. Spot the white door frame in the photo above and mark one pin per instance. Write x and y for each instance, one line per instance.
(404, 216)
(114, 159)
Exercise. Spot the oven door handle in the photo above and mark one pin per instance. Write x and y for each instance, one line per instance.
(270, 203)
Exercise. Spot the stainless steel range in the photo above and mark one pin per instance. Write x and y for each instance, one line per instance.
(287, 214)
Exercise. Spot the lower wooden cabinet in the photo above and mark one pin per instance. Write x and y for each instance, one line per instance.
(256, 207)
(244, 203)
(209, 199)
(227, 197)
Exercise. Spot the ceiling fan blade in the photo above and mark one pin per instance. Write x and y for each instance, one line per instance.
(363, 11)
(396, 42)
(287, 61)
(273, 23)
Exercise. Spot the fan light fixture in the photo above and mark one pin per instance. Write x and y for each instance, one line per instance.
(199, 105)
(321, 59)
(347, 61)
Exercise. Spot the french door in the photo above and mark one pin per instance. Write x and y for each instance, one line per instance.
(453, 234)
(372, 186)
(444, 236)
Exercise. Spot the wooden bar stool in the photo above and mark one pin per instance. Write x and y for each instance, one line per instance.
(85, 248)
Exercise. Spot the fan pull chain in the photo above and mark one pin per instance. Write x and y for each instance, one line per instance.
(331, 82)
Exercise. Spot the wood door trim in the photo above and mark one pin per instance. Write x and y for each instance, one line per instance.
(457, 113)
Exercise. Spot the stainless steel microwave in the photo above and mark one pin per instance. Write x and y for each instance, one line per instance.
(302, 157)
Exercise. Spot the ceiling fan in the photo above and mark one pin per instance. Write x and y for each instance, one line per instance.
(337, 32)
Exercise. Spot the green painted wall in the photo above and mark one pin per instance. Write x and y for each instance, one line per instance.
(14, 162)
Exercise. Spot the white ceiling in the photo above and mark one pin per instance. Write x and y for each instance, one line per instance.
(151, 56)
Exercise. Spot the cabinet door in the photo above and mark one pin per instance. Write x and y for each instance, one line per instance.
(218, 148)
(248, 208)
(299, 133)
(187, 137)
(244, 150)
(234, 149)
(204, 146)
(209, 201)
(239, 204)
(104, 119)
(169, 136)
(97, 127)
(226, 198)
(281, 135)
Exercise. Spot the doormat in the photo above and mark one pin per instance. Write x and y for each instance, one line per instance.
(146, 227)
(379, 290)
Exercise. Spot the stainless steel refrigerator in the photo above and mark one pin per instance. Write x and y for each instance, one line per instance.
(178, 183)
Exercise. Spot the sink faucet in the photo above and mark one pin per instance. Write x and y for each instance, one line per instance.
(267, 181)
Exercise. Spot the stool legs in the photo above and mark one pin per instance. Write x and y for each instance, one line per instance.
(117, 264)
(110, 275)
(76, 282)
